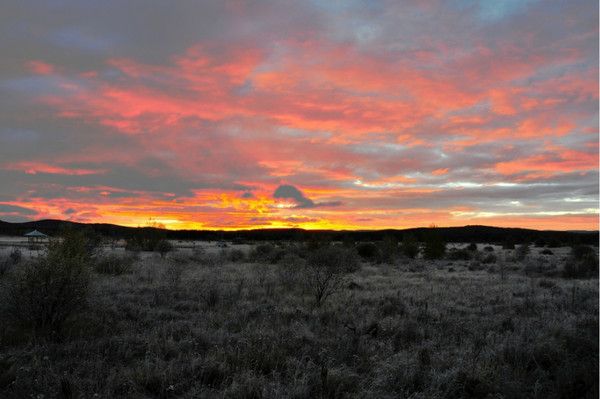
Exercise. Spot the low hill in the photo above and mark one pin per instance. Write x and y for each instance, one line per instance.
(480, 234)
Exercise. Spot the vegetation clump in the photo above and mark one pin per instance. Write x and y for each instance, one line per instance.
(325, 271)
(13, 259)
(114, 264)
(459, 254)
(522, 251)
(410, 246)
(43, 294)
(435, 247)
(582, 263)
(367, 251)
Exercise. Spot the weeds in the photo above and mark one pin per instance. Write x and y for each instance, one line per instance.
(234, 329)
(114, 264)
(42, 295)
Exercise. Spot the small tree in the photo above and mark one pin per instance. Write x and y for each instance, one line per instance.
(388, 250)
(44, 294)
(325, 271)
(163, 247)
(367, 250)
(410, 246)
(435, 248)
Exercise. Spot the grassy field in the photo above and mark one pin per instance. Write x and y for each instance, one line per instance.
(246, 323)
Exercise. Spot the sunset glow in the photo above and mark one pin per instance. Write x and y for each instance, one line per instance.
(337, 115)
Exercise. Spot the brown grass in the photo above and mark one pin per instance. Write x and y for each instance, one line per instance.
(194, 328)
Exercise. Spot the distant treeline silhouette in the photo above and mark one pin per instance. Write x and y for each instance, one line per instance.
(479, 234)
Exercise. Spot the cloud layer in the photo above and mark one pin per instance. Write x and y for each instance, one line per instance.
(315, 114)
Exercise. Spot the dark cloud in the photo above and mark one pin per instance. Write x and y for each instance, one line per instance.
(301, 201)
(292, 193)
(14, 213)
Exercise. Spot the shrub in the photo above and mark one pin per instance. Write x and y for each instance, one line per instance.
(7, 263)
(580, 252)
(410, 246)
(172, 275)
(586, 266)
(145, 239)
(522, 252)
(367, 250)
(488, 248)
(434, 246)
(475, 266)
(44, 294)
(472, 247)
(459, 254)
(489, 258)
(114, 264)
(388, 250)
(266, 253)
(236, 255)
(547, 252)
(163, 247)
(5, 266)
(325, 269)
(289, 269)
(15, 256)
(508, 245)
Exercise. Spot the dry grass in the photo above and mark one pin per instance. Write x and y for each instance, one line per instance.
(195, 328)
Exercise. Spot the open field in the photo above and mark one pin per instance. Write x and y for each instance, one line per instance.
(244, 322)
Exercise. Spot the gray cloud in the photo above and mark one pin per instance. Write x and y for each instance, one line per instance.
(291, 192)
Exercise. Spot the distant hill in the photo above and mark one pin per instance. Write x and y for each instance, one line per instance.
(483, 234)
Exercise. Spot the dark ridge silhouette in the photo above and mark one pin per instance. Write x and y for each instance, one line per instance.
(479, 234)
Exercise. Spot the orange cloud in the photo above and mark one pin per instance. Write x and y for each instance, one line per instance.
(33, 168)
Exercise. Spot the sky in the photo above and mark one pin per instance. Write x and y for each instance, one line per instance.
(315, 114)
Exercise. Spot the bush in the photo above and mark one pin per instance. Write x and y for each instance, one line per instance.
(522, 252)
(367, 250)
(434, 247)
(236, 255)
(489, 258)
(290, 269)
(7, 263)
(475, 266)
(44, 294)
(459, 254)
(488, 248)
(15, 256)
(388, 250)
(410, 246)
(163, 247)
(266, 253)
(586, 266)
(508, 245)
(325, 269)
(580, 252)
(114, 264)
(547, 252)
(472, 247)
(145, 239)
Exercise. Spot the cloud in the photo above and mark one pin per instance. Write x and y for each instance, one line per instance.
(435, 108)
(292, 193)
